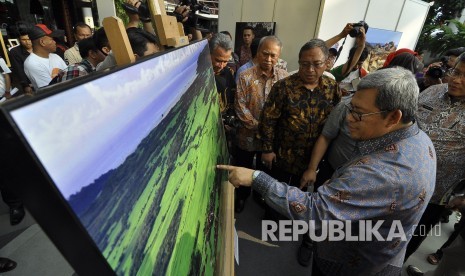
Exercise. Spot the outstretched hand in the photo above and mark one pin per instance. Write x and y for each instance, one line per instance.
(238, 176)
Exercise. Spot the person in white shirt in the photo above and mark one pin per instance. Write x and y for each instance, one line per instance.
(42, 65)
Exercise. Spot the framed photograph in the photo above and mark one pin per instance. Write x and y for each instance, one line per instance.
(4, 51)
(383, 42)
(13, 42)
(118, 168)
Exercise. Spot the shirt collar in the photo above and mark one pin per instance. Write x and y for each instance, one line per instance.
(262, 74)
(369, 146)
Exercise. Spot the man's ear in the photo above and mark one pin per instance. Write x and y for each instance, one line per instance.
(106, 50)
(41, 41)
(394, 118)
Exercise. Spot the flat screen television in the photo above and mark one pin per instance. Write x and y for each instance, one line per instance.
(118, 168)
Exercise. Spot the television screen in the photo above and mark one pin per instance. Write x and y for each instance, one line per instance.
(131, 156)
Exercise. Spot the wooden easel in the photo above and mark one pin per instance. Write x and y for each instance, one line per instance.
(170, 32)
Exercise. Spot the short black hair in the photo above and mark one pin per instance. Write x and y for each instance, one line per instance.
(138, 38)
(100, 39)
(87, 45)
(80, 25)
(249, 28)
(363, 56)
(332, 51)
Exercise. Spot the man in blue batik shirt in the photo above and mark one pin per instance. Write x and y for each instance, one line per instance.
(390, 181)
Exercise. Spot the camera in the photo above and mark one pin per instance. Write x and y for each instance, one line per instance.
(356, 30)
(195, 6)
(436, 72)
(231, 120)
(192, 18)
(143, 11)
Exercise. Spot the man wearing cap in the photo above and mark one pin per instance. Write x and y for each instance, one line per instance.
(43, 65)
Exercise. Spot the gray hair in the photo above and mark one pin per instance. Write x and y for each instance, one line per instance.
(315, 43)
(220, 40)
(397, 89)
(271, 38)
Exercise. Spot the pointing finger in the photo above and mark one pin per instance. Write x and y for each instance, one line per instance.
(225, 167)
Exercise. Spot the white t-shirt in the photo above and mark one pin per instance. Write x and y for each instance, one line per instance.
(3, 70)
(41, 71)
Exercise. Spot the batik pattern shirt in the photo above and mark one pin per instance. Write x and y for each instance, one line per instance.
(245, 54)
(391, 179)
(444, 121)
(292, 120)
(253, 88)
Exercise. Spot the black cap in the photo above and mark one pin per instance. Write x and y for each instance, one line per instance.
(40, 30)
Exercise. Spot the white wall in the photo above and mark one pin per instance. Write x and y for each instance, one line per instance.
(296, 21)
(105, 8)
(406, 16)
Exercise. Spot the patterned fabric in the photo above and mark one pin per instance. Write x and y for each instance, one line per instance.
(292, 120)
(444, 122)
(245, 54)
(253, 88)
(226, 86)
(392, 179)
(76, 70)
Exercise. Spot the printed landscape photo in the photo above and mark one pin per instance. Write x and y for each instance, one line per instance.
(134, 154)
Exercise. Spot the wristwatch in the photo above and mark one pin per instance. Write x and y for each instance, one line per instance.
(255, 175)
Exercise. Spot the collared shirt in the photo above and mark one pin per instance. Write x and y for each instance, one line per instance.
(245, 54)
(72, 55)
(392, 179)
(76, 70)
(444, 122)
(253, 88)
(292, 120)
(18, 55)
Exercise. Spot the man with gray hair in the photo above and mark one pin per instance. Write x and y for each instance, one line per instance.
(380, 194)
(221, 48)
(253, 87)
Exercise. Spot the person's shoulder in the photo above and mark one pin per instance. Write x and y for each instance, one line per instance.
(327, 80)
(433, 92)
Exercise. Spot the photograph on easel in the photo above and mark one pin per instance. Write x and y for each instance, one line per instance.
(383, 42)
(132, 155)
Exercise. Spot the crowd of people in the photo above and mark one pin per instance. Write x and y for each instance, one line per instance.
(341, 143)
(323, 143)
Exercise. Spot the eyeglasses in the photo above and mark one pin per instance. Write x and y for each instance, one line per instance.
(453, 73)
(358, 116)
(315, 65)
